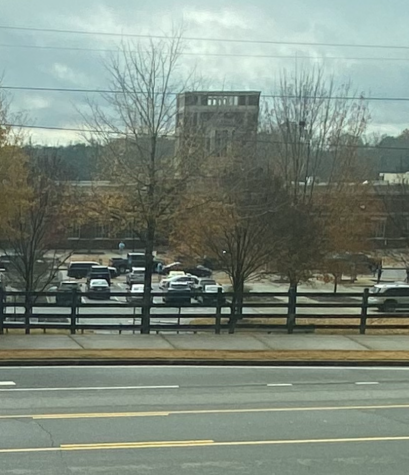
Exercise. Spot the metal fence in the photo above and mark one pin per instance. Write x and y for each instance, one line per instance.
(271, 311)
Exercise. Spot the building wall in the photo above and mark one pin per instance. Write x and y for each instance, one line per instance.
(219, 120)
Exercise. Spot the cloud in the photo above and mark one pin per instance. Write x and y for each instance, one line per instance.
(225, 18)
(348, 21)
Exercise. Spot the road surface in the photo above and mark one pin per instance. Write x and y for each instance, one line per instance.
(202, 420)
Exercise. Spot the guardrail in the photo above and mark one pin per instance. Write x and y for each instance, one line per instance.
(36, 310)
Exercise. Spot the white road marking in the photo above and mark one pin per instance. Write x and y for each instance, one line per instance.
(99, 388)
(7, 383)
(366, 383)
(278, 385)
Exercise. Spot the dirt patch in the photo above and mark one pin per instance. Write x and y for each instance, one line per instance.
(205, 355)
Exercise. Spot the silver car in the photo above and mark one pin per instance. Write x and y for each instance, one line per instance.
(389, 297)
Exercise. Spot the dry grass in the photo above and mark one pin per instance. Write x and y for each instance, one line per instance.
(324, 321)
(205, 355)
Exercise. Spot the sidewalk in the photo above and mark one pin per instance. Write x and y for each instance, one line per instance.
(205, 347)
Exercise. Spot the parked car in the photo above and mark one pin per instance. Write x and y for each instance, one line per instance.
(210, 295)
(122, 264)
(65, 291)
(119, 263)
(99, 289)
(389, 297)
(178, 292)
(80, 269)
(191, 280)
(135, 294)
(136, 276)
(99, 272)
(199, 271)
(113, 272)
(202, 283)
(176, 273)
(175, 266)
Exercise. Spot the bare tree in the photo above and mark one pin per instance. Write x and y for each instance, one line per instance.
(37, 223)
(236, 229)
(314, 129)
(148, 174)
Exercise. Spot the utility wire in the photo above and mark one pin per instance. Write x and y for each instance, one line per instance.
(271, 96)
(114, 132)
(217, 40)
(221, 55)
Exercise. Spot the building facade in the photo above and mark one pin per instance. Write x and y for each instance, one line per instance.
(219, 120)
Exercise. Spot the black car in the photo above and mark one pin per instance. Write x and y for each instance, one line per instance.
(171, 267)
(122, 264)
(178, 293)
(65, 292)
(99, 272)
(201, 284)
(80, 269)
(199, 271)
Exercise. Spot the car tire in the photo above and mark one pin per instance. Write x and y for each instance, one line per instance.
(390, 306)
(122, 270)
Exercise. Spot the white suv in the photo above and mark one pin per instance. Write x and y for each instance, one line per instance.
(389, 297)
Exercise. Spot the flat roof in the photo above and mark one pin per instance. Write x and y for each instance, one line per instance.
(222, 93)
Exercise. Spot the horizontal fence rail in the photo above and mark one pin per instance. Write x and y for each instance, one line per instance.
(195, 312)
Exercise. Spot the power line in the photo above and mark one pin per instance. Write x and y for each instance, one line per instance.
(221, 55)
(68, 129)
(270, 96)
(112, 132)
(221, 40)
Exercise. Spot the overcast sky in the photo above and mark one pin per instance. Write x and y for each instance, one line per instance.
(337, 21)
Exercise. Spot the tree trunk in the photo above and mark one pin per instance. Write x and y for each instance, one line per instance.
(237, 302)
(147, 290)
(336, 279)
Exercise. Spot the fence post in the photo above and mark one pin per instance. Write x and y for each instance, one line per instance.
(2, 300)
(145, 318)
(218, 317)
(74, 304)
(292, 308)
(364, 312)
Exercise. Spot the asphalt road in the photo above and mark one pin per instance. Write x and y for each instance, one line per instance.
(201, 420)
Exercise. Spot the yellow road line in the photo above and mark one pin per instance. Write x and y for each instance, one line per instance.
(40, 449)
(92, 415)
(103, 415)
(202, 443)
(138, 445)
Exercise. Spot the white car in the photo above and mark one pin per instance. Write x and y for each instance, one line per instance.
(99, 289)
(191, 280)
(389, 297)
(135, 293)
